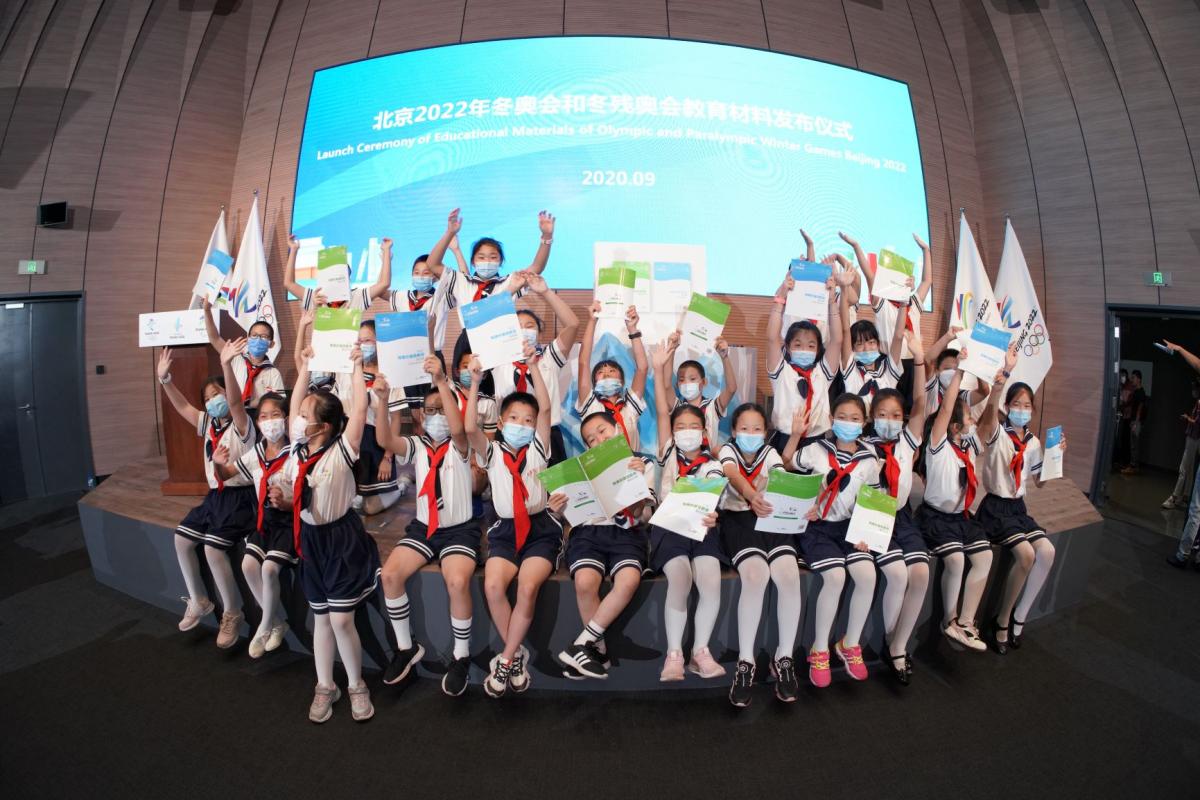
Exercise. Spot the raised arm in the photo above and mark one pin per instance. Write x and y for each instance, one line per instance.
(916, 417)
(775, 318)
(926, 269)
(1191, 360)
(541, 393)
(546, 226)
(289, 268)
(210, 327)
(357, 415)
(585, 352)
(833, 348)
(663, 357)
(942, 421)
(233, 390)
(730, 387)
(300, 390)
(896, 347)
(987, 421)
(387, 438)
(458, 434)
(810, 252)
(384, 283)
(453, 226)
(190, 413)
(799, 428)
(847, 349)
(940, 345)
(568, 322)
(640, 365)
(864, 263)
(475, 435)
(302, 333)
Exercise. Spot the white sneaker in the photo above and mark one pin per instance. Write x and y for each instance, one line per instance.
(953, 632)
(1170, 502)
(258, 645)
(194, 613)
(518, 678)
(321, 708)
(276, 637)
(360, 703)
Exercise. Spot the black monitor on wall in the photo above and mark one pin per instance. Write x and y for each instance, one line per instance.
(52, 215)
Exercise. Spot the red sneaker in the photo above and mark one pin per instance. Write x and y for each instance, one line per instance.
(852, 658)
(818, 668)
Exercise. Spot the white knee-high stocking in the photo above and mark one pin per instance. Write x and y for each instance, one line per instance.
(679, 586)
(754, 574)
(707, 575)
(863, 594)
(832, 582)
(785, 574)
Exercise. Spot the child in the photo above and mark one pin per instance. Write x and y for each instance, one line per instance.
(443, 528)
(254, 371)
(427, 294)
(691, 381)
(864, 369)
(1013, 457)
(757, 556)
(525, 541)
(949, 530)
(487, 256)
(847, 463)
(317, 381)
(796, 379)
(226, 513)
(905, 563)
(552, 357)
(683, 450)
(888, 312)
(940, 372)
(851, 284)
(465, 380)
(602, 386)
(615, 547)
(360, 298)
(269, 546)
(339, 565)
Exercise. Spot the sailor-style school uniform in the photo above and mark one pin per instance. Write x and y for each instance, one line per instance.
(625, 407)
(713, 412)
(896, 459)
(462, 289)
(226, 514)
(486, 408)
(1010, 462)
(525, 529)
(866, 381)
(799, 388)
(256, 379)
(516, 378)
(888, 312)
(738, 537)
(951, 483)
(613, 545)
(371, 455)
(339, 561)
(666, 545)
(272, 538)
(823, 544)
(443, 524)
(360, 299)
(934, 391)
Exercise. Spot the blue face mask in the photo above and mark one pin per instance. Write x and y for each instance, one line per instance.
(750, 442)
(320, 378)
(847, 431)
(866, 357)
(1020, 417)
(529, 336)
(888, 429)
(422, 283)
(437, 427)
(608, 387)
(257, 347)
(464, 378)
(486, 269)
(802, 358)
(368, 351)
(217, 407)
(689, 390)
(517, 435)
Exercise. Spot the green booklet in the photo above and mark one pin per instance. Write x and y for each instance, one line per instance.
(615, 289)
(790, 496)
(703, 323)
(873, 519)
(333, 274)
(692, 498)
(598, 484)
(335, 333)
(894, 276)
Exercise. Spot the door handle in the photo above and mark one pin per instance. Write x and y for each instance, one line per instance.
(26, 407)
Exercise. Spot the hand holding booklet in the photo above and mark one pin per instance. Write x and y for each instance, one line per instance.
(873, 519)
(333, 274)
(985, 352)
(598, 483)
(403, 341)
(493, 330)
(691, 499)
(808, 298)
(1052, 457)
(703, 323)
(893, 277)
(790, 496)
(335, 333)
(615, 290)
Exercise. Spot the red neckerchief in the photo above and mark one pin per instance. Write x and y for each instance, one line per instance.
(614, 407)
(1017, 465)
(752, 474)
(416, 301)
(269, 468)
(834, 485)
(520, 376)
(252, 371)
(806, 374)
(965, 457)
(304, 462)
(690, 467)
(891, 467)
(484, 288)
(903, 308)
(369, 379)
(516, 465)
(215, 432)
(431, 489)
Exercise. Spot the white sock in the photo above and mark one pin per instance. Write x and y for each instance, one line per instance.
(324, 649)
(895, 576)
(189, 565)
(863, 575)
(349, 646)
(832, 582)
(252, 570)
(754, 574)
(679, 586)
(981, 564)
(785, 574)
(591, 632)
(707, 574)
(222, 572)
(272, 612)
(462, 636)
(910, 609)
(952, 572)
(397, 611)
(1043, 561)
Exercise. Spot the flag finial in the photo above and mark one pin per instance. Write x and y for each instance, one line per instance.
(256, 192)
(962, 209)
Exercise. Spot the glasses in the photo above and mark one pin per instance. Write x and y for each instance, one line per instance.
(432, 411)
(260, 337)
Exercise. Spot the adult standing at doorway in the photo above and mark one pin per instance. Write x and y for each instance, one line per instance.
(1179, 497)
(1187, 539)
(1135, 412)
(1120, 458)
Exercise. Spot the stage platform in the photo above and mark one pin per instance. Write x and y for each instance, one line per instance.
(129, 527)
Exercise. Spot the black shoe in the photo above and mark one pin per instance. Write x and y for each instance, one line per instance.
(454, 682)
(743, 683)
(402, 663)
(786, 685)
(584, 659)
(1014, 638)
(1000, 647)
(1175, 561)
(903, 672)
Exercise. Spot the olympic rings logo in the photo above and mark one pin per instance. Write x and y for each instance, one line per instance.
(1034, 341)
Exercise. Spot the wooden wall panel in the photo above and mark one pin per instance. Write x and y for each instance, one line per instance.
(731, 21)
(810, 28)
(413, 24)
(501, 19)
(19, 48)
(615, 17)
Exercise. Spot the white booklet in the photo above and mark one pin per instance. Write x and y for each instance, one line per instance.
(403, 342)
(985, 352)
(703, 323)
(335, 333)
(1052, 457)
(790, 496)
(691, 499)
(873, 519)
(808, 299)
(615, 287)
(493, 330)
(671, 289)
(598, 483)
(333, 274)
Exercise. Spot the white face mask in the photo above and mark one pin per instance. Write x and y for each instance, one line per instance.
(689, 440)
(273, 429)
(945, 376)
(299, 430)
(689, 390)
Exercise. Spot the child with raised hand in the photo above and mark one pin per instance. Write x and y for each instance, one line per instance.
(950, 531)
(691, 382)
(551, 357)
(269, 546)
(525, 541)
(254, 371)
(442, 529)
(683, 450)
(602, 386)
(339, 567)
(759, 557)
(802, 371)
(487, 257)
(227, 512)
(317, 381)
(360, 298)
(865, 369)
(888, 313)
(847, 463)
(939, 371)
(1011, 459)
(905, 563)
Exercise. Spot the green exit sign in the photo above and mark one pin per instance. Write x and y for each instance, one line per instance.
(28, 266)
(1158, 279)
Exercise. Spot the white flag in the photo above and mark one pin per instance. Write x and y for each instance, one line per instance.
(1021, 314)
(973, 300)
(214, 267)
(247, 295)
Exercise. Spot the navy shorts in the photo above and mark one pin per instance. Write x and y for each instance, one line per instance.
(276, 541)
(460, 540)
(823, 545)
(740, 541)
(907, 544)
(956, 532)
(366, 469)
(666, 545)
(606, 549)
(544, 540)
(339, 564)
(1006, 521)
(225, 517)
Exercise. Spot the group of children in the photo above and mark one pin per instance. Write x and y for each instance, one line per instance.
(287, 476)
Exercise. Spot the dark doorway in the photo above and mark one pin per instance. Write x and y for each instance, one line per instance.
(43, 413)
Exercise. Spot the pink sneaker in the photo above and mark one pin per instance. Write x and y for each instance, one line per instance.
(704, 665)
(852, 658)
(194, 613)
(818, 668)
(672, 668)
